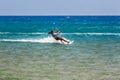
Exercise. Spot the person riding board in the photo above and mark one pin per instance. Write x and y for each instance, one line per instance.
(56, 37)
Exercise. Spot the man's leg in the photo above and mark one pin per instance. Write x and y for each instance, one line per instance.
(64, 40)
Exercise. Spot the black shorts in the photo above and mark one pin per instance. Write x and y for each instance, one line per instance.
(57, 38)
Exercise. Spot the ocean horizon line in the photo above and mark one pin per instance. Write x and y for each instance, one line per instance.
(62, 15)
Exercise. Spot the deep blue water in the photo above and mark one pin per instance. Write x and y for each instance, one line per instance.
(71, 24)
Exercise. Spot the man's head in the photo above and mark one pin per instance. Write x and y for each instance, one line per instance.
(51, 32)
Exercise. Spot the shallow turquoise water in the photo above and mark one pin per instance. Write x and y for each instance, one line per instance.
(97, 60)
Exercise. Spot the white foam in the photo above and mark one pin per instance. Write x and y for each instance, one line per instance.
(48, 39)
(43, 40)
(114, 34)
(4, 32)
(21, 33)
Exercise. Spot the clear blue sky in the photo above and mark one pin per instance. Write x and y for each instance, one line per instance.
(59, 7)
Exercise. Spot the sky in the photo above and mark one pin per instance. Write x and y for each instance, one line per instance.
(59, 7)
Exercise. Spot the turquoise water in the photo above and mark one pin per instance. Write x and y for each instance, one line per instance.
(27, 52)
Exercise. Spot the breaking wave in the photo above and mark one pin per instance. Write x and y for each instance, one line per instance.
(115, 34)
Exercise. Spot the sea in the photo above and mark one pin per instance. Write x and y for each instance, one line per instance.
(28, 52)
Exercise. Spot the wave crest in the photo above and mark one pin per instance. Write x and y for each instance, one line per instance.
(116, 34)
(48, 39)
(43, 40)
